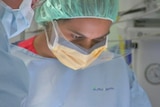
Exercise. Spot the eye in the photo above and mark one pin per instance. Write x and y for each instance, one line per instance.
(75, 37)
(101, 38)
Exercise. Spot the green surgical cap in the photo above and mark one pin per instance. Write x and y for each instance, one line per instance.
(68, 9)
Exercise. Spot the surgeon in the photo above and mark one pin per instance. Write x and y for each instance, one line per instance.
(68, 62)
(15, 16)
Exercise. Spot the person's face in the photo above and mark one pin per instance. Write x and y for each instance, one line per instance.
(14, 4)
(85, 32)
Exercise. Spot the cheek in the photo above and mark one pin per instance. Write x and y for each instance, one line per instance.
(66, 34)
(64, 31)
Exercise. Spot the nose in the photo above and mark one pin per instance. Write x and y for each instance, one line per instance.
(87, 43)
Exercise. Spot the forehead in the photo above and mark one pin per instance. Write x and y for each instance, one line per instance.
(86, 26)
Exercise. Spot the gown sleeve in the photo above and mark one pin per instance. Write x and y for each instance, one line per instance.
(14, 78)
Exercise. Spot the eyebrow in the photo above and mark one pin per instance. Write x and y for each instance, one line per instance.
(86, 36)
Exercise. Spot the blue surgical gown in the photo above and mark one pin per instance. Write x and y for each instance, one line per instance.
(109, 84)
(14, 78)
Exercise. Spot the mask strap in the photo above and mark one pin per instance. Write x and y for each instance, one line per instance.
(46, 34)
(106, 44)
(53, 33)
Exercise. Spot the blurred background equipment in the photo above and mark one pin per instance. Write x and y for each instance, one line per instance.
(140, 24)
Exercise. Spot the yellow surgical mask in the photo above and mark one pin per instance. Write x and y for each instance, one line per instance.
(74, 59)
(71, 55)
